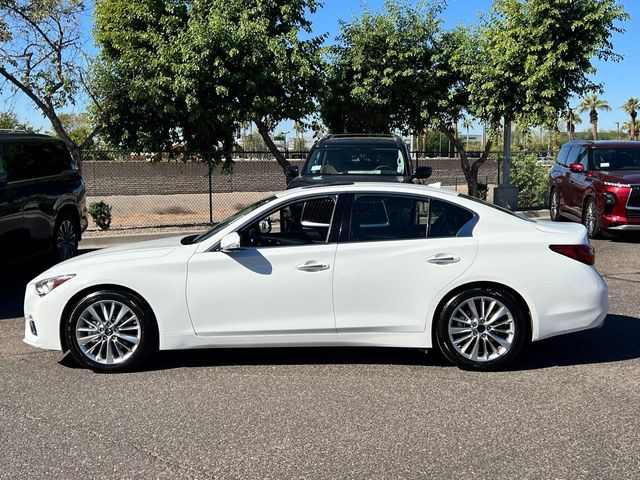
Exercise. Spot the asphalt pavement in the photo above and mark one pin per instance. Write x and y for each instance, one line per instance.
(569, 409)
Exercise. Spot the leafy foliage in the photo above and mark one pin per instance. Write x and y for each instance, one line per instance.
(9, 120)
(192, 72)
(531, 179)
(101, 214)
(379, 75)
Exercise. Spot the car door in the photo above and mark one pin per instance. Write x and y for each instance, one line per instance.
(578, 182)
(399, 252)
(279, 282)
(11, 231)
(559, 174)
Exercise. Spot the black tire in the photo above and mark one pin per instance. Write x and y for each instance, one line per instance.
(112, 336)
(591, 218)
(517, 336)
(554, 208)
(66, 235)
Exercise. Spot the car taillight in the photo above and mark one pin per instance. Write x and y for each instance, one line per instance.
(582, 253)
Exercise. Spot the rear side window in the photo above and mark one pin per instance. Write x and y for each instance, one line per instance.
(564, 153)
(396, 217)
(447, 219)
(34, 160)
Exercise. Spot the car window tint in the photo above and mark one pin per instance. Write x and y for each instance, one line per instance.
(573, 155)
(21, 164)
(356, 160)
(51, 158)
(616, 158)
(583, 158)
(564, 153)
(3, 167)
(447, 219)
(388, 217)
(299, 223)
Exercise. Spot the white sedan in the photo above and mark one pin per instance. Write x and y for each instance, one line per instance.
(362, 264)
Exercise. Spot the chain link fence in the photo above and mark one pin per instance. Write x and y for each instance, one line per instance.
(190, 190)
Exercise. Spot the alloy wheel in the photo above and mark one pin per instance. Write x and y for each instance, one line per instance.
(592, 218)
(108, 332)
(481, 329)
(554, 207)
(66, 240)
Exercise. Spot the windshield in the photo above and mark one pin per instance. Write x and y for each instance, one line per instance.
(627, 158)
(219, 226)
(356, 160)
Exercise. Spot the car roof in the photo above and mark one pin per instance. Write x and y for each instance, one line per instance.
(603, 143)
(18, 135)
(359, 139)
(376, 187)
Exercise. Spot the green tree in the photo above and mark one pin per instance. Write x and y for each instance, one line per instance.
(524, 63)
(79, 126)
(631, 106)
(592, 104)
(41, 56)
(193, 71)
(378, 77)
(10, 121)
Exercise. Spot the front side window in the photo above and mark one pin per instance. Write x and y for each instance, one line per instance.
(627, 158)
(356, 160)
(573, 155)
(303, 222)
(21, 165)
(564, 153)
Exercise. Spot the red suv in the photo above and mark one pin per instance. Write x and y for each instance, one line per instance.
(598, 184)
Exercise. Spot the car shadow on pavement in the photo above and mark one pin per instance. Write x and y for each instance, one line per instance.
(14, 279)
(617, 340)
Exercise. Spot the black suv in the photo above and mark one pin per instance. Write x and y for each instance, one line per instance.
(357, 158)
(42, 197)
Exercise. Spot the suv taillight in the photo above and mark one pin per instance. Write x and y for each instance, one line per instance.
(582, 253)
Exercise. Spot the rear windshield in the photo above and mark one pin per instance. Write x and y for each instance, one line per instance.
(502, 209)
(627, 158)
(356, 160)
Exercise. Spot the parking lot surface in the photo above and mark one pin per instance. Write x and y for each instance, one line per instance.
(569, 409)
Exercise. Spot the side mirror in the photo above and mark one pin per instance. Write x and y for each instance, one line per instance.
(230, 243)
(422, 172)
(576, 168)
(4, 179)
(264, 225)
(291, 171)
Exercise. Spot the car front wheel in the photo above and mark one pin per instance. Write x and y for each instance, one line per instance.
(110, 331)
(554, 205)
(591, 219)
(482, 329)
(66, 236)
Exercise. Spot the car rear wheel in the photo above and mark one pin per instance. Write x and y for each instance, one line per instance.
(66, 236)
(591, 219)
(110, 331)
(554, 205)
(482, 329)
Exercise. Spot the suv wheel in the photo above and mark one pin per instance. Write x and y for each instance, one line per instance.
(591, 219)
(554, 205)
(66, 235)
(482, 329)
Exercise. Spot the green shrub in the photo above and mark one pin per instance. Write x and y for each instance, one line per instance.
(101, 214)
(531, 179)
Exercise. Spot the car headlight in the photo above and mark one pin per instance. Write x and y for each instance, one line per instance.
(45, 286)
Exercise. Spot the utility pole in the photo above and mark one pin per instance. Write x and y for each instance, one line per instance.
(506, 194)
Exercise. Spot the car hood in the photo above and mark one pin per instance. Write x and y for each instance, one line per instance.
(620, 176)
(307, 180)
(128, 252)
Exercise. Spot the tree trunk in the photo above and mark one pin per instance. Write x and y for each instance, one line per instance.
(634, 127)
(593, 116)
(470, 170)
(277, 154)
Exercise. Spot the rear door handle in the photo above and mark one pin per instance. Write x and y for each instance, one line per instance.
(443, 259)
(312, 266)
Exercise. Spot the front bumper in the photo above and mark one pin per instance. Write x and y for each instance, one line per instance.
(45, 330)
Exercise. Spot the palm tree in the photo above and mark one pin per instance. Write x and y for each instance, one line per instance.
(592, 104)
(628, 127)
(572, 119)
(631, 106)
(467, 124)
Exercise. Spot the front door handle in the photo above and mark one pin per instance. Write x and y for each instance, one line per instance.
(443, 259)
(312, 266)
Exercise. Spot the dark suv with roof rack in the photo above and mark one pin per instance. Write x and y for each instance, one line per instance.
(357, 158)
(597, 183)
(42, 197)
